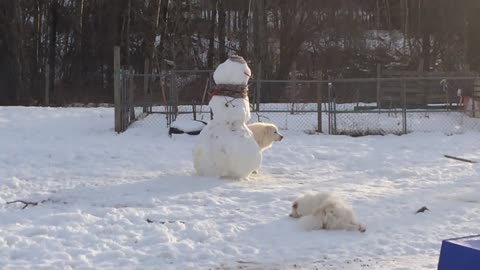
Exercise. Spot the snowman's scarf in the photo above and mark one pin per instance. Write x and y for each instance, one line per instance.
(229, 90)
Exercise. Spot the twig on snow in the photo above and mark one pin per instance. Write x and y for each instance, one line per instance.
(26, 204)
(247, 262)
(460, 159)
(163, 222)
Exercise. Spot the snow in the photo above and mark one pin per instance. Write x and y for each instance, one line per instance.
(232, 72)
(101, 187)
(228, 109)
(187, 125)
(228, 151)
(226, 147)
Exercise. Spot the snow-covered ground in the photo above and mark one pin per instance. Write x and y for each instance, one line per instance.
(130, 201)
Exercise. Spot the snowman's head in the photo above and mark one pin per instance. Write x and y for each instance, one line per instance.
(233, 71)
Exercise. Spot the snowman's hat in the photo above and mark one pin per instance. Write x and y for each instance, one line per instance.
(237, 58)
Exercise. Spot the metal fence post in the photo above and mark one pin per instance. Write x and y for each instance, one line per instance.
(475, 94)
(131, 106)
(319, 106)
(332, 121)
(194, 110)
(175, 97)
(146, 77)
(172, 107)
(258, 87)
(117, 89)
(170, 100)
(125, 100)
(404, 110)
(379, 102)
(329, 108)
(334, 110)
(122, 103)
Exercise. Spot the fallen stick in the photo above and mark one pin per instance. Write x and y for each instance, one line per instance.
(247, 262)
(163, 222)
(26, 204)
(460, 159)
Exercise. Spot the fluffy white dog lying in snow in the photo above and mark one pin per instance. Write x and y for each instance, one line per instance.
(265, 134)
(325, 211)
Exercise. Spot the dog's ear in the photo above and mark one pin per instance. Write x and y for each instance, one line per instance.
(266, 131)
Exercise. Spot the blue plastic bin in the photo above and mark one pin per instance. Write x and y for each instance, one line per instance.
(460, 253)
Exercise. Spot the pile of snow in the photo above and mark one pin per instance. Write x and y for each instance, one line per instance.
(191, 127)
(126, 201)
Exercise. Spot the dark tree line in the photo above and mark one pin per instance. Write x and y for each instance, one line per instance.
(65, 46)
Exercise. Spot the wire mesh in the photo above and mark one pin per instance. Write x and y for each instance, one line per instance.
(344, 106)
(292, 105)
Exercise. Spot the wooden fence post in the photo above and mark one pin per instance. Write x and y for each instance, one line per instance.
(117, 89)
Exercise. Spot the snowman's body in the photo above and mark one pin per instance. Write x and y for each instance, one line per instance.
(226, 147)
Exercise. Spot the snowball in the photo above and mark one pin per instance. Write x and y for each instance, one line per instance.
(233, 71)
(226, 151)
(230, 110)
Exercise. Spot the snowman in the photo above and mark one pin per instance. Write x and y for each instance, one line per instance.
(226, 147)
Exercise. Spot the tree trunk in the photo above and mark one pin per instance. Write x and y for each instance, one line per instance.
(473, 39)
(10, 53)
(426, 46)
(149, 44)
(37, 23)
(51, 51)
(287, 40)
(211, 38)
(126, 34)
(222, 54)
(260, 37)
(244, 33)
(162, 29)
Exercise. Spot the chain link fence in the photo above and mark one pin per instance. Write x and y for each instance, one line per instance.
(404, 105)
(342, 106)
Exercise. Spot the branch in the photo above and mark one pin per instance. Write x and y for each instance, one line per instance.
(460, 159)
(247, 262)
(163, 222)
(26, 204)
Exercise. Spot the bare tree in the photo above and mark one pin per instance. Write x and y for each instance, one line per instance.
(11, 57)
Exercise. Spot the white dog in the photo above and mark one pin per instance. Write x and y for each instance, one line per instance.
(325, 211)
(265, 134)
